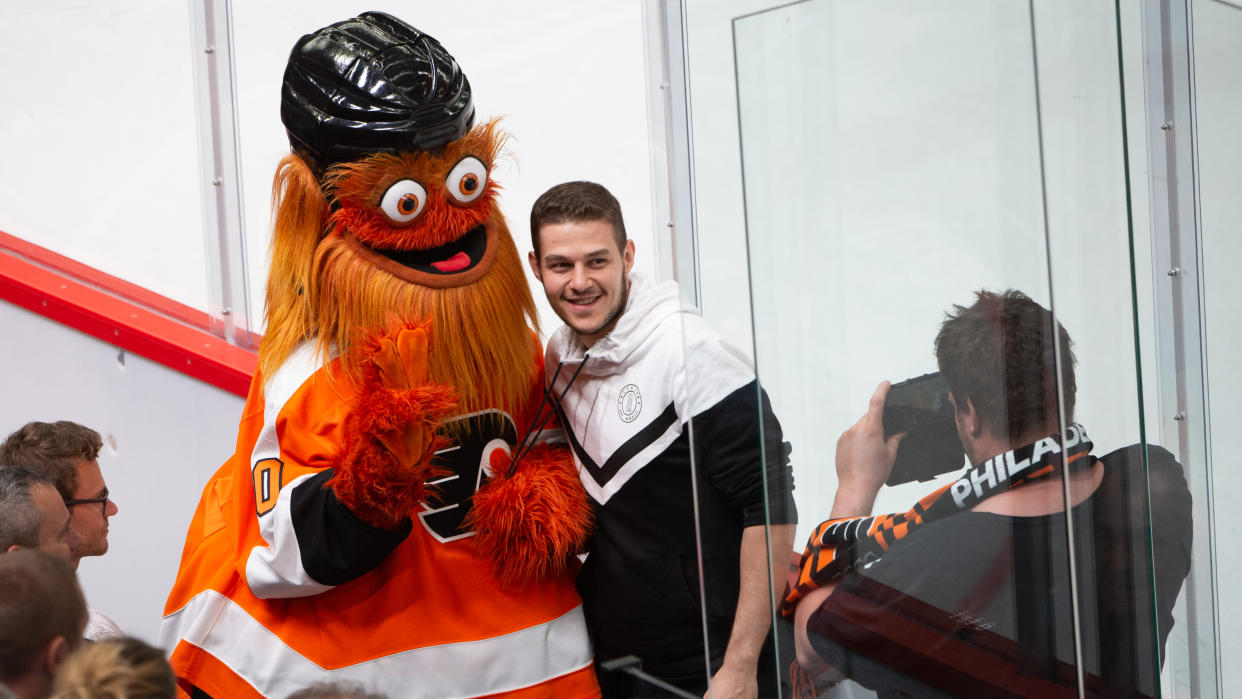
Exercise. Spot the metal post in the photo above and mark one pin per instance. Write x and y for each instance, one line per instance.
(1182, 364)
(664, 24)
(223, 232)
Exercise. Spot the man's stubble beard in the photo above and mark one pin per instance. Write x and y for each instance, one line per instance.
(607, 326)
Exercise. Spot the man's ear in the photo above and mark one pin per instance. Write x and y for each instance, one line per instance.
(54, 654)
(534, 264)
(968, 418)
(628, 255)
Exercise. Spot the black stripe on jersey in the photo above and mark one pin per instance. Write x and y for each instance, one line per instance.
(334, 544)
(641, 440)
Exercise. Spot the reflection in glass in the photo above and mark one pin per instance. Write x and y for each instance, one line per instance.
(898, 157)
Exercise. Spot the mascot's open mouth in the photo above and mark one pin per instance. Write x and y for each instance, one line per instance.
(450, 258)
(455, 263)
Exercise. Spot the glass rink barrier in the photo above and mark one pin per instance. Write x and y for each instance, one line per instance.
(978, 253)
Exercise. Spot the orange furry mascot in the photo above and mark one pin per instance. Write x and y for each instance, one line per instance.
(392, 514)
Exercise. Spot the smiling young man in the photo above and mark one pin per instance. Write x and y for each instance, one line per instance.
(585, 274)
(631, 371)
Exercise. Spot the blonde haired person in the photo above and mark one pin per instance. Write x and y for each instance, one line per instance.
(118, 668)
(335, 690)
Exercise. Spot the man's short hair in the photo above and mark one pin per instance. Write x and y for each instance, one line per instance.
(39, 600)
(998, 353)
(20, 517)
(52, 449)
(572, 202)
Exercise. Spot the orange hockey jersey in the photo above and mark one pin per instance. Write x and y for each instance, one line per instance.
(280, 586)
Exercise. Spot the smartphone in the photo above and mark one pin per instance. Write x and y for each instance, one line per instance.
(920, 408)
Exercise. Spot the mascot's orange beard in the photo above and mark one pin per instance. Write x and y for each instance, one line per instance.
(481, 341)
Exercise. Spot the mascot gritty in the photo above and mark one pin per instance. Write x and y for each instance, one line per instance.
(392, 515)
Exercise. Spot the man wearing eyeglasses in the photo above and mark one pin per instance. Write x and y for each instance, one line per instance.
(67, 454)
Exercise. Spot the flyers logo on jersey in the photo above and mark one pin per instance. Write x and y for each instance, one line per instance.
(473, 438)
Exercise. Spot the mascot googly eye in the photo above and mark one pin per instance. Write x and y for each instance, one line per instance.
(403, 202)
(465, 182)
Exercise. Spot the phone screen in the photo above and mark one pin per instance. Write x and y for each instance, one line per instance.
(915, 402)
(921, 409)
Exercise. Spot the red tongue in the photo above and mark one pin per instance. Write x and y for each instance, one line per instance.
(456, 263)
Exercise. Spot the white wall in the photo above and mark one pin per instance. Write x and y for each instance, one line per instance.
(98, 131)
(164, 434)
(98, 141)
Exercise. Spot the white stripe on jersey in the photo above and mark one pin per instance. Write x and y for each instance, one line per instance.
(469, 669)
(275, 571)
(277, 390)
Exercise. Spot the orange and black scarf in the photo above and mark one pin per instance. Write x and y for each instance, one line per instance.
(838, 546)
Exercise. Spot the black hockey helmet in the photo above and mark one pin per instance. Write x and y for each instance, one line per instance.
(372, 84)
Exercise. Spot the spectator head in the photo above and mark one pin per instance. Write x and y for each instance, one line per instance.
(32, 514)
(998, 357)
(581, 257)
(67, 454)
(42, 616)
(121, 668)
(334, 690)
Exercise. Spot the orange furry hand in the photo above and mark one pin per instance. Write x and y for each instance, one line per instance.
(400, 364)
(533, 522)
(390, 432)
(401, 361)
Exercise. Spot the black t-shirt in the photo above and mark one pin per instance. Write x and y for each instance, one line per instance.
(979, 604)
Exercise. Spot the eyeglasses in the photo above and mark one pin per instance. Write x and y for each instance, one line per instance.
(101, 501)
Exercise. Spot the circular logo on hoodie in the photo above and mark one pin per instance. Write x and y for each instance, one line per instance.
(629, 403)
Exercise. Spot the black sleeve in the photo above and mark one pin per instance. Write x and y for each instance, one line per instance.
(335, 545)
(744, 456)
(1171, 533)
(1142, 525)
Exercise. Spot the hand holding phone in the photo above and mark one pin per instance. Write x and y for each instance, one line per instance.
(920, 408)
(864, 458)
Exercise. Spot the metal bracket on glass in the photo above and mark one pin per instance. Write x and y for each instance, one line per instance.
(632, 665)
